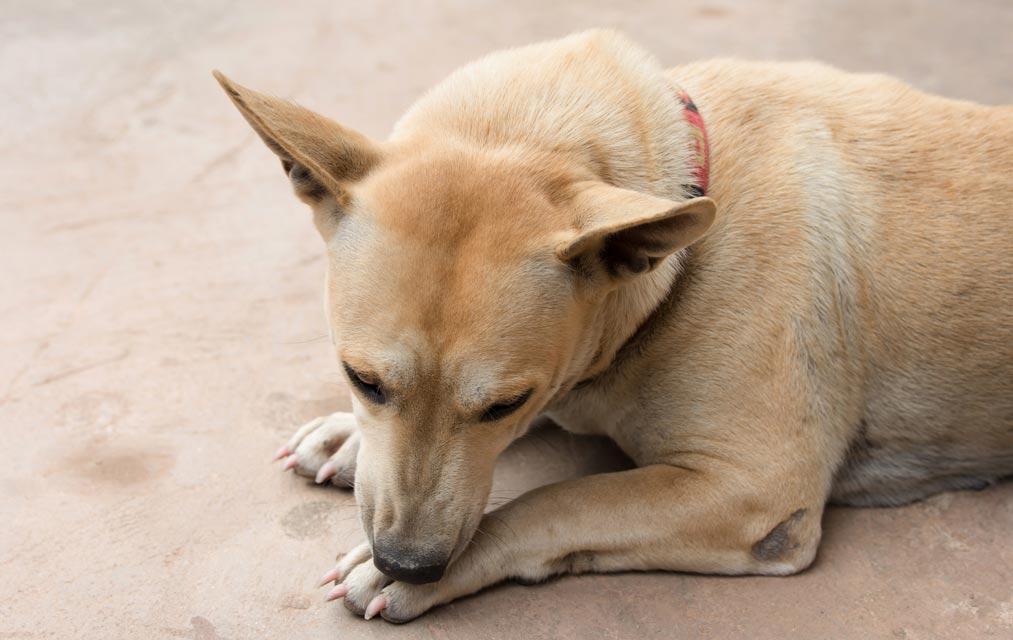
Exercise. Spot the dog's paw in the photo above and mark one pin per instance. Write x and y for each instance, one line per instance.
(368, 592)
(324, 448)
(360, 582)
(402, 602)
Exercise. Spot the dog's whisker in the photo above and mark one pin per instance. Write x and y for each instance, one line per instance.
(496, 539)
(494, 495)
(503, 523)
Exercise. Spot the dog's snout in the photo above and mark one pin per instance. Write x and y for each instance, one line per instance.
(399, 562)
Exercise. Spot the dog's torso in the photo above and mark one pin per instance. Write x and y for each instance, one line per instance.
(861, 262)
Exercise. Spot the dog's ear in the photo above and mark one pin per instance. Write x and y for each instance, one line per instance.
(320, 156)
(625, 233)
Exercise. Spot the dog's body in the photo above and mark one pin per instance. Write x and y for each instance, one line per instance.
(842, 331)
(864, 251)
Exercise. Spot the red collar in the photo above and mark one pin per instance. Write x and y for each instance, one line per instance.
(701, 149)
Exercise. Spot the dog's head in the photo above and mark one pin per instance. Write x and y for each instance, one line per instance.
(465, 289)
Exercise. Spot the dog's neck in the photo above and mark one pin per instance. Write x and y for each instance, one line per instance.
(627, 312)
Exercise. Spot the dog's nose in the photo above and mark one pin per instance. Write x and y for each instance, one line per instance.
(399, 563)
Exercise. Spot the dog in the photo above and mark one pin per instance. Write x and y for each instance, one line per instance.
(774, 286)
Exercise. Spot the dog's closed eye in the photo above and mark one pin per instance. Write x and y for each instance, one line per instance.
(366, 384)
(503, 409)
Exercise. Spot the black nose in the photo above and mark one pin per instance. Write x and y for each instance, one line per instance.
(407, 566)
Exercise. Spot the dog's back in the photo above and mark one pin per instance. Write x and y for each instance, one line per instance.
(894, 212)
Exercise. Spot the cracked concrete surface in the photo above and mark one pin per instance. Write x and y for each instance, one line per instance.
(163, 333)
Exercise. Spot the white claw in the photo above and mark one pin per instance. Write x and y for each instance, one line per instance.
(375, 606)
(339, 591)
(331, 576)
(326, 471)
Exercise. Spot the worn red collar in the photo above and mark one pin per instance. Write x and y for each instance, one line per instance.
(701, 149)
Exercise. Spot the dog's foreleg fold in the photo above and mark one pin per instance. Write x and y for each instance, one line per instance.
(653, 517)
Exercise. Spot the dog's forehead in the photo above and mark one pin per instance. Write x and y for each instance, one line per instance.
(447, 303)
(457, 198)
(449, 240)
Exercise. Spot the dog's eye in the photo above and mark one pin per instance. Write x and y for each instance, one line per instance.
(366, 385)
(503, 409)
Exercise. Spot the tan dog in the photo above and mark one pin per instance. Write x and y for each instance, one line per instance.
(831, 322)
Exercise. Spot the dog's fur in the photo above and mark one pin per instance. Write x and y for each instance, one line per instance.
(833, 321)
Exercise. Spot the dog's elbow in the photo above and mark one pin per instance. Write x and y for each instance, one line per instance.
(789, 547)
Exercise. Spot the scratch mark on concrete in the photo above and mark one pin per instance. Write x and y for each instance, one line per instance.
(81, 369)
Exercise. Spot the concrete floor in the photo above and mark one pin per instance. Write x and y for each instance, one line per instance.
(161, 328)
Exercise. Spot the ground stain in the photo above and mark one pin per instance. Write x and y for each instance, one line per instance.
(712, 12)
(308, 520)
(203, 629)
(298, 601)
(200, 629)
(109, 461)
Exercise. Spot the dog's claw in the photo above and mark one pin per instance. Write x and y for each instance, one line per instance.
(341, 591)
(375, 606)
(330, 576)
(326, 471)
(281, 453)
(291, 463)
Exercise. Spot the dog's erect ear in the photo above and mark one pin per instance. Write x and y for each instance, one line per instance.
(319, 155)
(626, 233)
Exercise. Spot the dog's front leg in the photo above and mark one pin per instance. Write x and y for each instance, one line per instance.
(654, 517)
